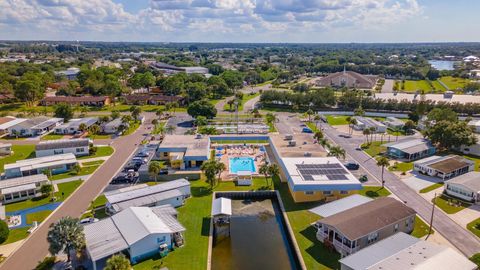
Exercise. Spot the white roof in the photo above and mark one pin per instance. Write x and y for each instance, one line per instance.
(222, 206)
(332, 208)
(5, 145)
(103, 239)
(42, 162)
(147, 200)
(298, 183)
(12, 123)
(20, 181)
(432, 97)
(18, 188)
(130, 194)
(244, 173)
(402, 252)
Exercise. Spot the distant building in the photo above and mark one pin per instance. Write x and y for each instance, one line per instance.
(348, 79)
(73, 125)
(21, 188)
(410, 149)
(142, 232)
(70, 73)
(356, 228)
(471, 58)
(369, 123)
(113, 126)
(55, 164)
(34, 126)
(445, 167)
(405, 252)
(465, 187)
(9, 121)
(171, 69)
(316, 179)
(78, 147)
(144, 99)
(473, 149)
(172, 193)
(5, 149)
(95, 101)
(190, 150)
(394, 123)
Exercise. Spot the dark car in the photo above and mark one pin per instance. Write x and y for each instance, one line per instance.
(363, 178)
(142, 154)
(132, 166)
(352, 165)
(307, 130)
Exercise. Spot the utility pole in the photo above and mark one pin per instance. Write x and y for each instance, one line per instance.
(431, 217)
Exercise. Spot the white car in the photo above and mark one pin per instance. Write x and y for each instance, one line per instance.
(88, 220)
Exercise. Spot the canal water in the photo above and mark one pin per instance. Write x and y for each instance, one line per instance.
(257, 239)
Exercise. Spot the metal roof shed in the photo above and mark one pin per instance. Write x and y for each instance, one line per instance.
(222, 206)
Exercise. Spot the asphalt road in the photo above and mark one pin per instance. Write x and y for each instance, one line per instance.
(460, 237)
(35, 248)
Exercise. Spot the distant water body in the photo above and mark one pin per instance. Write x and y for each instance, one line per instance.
(442, 64)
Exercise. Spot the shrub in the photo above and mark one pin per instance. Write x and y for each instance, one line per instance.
(46, 264)
(4, 231)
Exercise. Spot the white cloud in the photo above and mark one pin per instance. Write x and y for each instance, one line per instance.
(183, 18)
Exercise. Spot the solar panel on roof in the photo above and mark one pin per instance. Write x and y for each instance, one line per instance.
(332, 171)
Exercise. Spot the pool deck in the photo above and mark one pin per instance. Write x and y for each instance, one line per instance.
(238, 151)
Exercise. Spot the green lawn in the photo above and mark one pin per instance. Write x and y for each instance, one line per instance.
(432, 187)
(421, 228)
(19, 152)
(454, 83)
(101, 200)
(399, 132)
(102, 151)
(91, 163)
(133, 126)
(413, 86)
(85, 170)
(473, 158)
(374, 149)
(374, 191)
(401, 167)
(337, 120)
(52, 137)
(99, 136)
(450, 205)
(474, 227)
(38, 216)
(16, 235)
(475, 259)
(67, 188)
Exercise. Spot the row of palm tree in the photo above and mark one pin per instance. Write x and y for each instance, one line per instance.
(269, 170)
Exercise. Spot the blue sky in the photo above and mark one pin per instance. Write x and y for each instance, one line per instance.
(241, 20)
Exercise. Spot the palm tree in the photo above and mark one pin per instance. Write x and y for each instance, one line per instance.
(170, 129)
(383, 161)
(94, 130)
(211, 169)
(274, 170)
(366, 132)
(337, 151)
(65, 235)
(118, 262)
(318, 135)
(324, 143)
(316, 118)
(270, 118)
(154, 168)
(82, 127)
(351, 123)
(264, 170)
(309, 113)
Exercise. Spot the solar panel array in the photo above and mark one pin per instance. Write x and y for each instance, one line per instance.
(332, 171)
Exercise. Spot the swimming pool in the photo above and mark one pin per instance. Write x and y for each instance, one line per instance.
(242, 164)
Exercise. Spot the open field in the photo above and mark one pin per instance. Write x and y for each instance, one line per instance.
(454, 83)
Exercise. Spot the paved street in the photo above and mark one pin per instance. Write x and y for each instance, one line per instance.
(461, 238)
(35, 247)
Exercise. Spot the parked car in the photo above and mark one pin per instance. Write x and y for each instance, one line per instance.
(142, 153)
(306, 130)
(363, 178)
(88, 220)
(352, 165)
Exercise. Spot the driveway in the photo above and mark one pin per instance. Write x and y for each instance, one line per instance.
(35, 247)
(388, 86)
(464, 240)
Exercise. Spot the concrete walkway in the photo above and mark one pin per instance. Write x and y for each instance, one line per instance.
(388, 86)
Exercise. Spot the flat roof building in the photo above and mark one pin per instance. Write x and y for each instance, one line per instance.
(34, 126)
(143, 232)
(351, 230)
(21, 188)
(97, 101)
(444, 167)
(465, 187)
(349, 79)
(172, 192)
(74, 124)
(404, 252)
(315, 179)
(113, 126)
(369, 123)
(394, 123)
(410, 149)
(192, 150)
(9, 121)
(56, 164)
(78, 147)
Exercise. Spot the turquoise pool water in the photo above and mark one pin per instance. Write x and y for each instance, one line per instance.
(242, 164)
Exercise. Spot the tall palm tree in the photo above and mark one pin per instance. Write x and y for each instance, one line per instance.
(351, 123)
(309, 113)
(154, 168)
(382, 162)
(324, 143)
(337, 151)
(65, 235)
(316, 118)
(274, 170)
(366, 132)
(264, 170)
(318, 135)
(170, 129)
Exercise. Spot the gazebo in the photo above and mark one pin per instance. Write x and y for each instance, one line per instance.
(244, 178)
